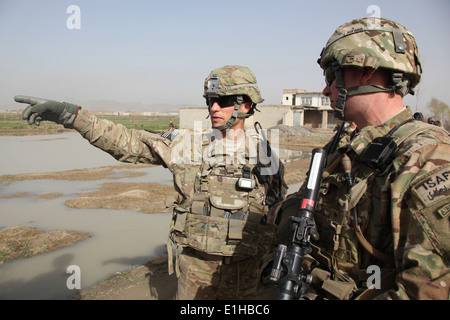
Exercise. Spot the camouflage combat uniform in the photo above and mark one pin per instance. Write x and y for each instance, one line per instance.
(402, 206)
(403, 211)
(225, 231)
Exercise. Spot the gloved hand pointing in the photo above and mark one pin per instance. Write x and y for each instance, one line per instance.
(43, 109)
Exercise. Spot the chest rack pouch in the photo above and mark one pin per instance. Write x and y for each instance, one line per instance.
(380, 151)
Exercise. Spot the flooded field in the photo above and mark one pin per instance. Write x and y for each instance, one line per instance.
(49, 168)
(119, 239)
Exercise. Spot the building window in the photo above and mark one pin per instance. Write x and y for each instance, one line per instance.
(307, 101)
(325, 101)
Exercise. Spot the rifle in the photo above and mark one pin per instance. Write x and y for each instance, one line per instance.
(287, 269)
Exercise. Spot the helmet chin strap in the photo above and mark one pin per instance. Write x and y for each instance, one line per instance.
(342, 93)
(236, 114)
(340, 104)
(353, 91)
(399, 86)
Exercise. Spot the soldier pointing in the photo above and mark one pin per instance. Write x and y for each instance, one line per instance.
(223, 217)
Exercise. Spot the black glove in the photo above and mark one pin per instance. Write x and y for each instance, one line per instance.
(42, 109)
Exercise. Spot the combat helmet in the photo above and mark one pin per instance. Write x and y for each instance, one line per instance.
(375, 43)
(233, 80)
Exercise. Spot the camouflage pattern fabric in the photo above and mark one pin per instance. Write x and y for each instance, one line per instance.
(212, 235)
(403, 211)
(371, 42)
(138, 146)
(235, 80)
(207, 277)
(183, 157)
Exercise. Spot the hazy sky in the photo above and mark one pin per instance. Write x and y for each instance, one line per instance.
(152, 52)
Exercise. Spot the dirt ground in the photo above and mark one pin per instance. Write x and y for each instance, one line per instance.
(151, 280)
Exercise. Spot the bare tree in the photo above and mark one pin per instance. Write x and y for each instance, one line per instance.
(440, 111)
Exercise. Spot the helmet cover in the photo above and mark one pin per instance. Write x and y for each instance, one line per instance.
(232, 80)
(375, 43)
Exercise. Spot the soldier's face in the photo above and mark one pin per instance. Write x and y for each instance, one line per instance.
(220, 115)
(352, 77)
(331, 92)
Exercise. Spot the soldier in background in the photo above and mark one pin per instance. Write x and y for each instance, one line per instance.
(392, 211)
(223, 216)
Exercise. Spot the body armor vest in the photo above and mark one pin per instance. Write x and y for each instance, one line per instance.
(229, 213)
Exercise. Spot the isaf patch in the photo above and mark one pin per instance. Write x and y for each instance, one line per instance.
(434, 188)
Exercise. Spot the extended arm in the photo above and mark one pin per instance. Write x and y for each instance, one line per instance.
(123, 144)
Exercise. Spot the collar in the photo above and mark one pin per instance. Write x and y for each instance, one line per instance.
(367, 134)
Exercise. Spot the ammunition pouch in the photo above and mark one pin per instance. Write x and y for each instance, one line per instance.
(224, 221)
(227, 214)
(222, 236)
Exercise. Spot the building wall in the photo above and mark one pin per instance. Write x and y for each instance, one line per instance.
(189, 115)
(289, 97)
(291, 112)
(313, 119)
(312, 99)
(269, 116)
(287, 100)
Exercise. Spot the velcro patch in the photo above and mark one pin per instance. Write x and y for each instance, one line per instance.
(434, 188)
(444, 211)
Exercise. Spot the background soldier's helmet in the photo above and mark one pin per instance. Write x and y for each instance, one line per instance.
(375, 43)
(232, 80)
(431, 120)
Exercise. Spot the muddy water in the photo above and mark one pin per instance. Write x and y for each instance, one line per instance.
(49, 153)
(119, 239)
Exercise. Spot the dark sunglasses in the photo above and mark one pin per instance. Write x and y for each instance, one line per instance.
(223, 102)
(329, 75)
